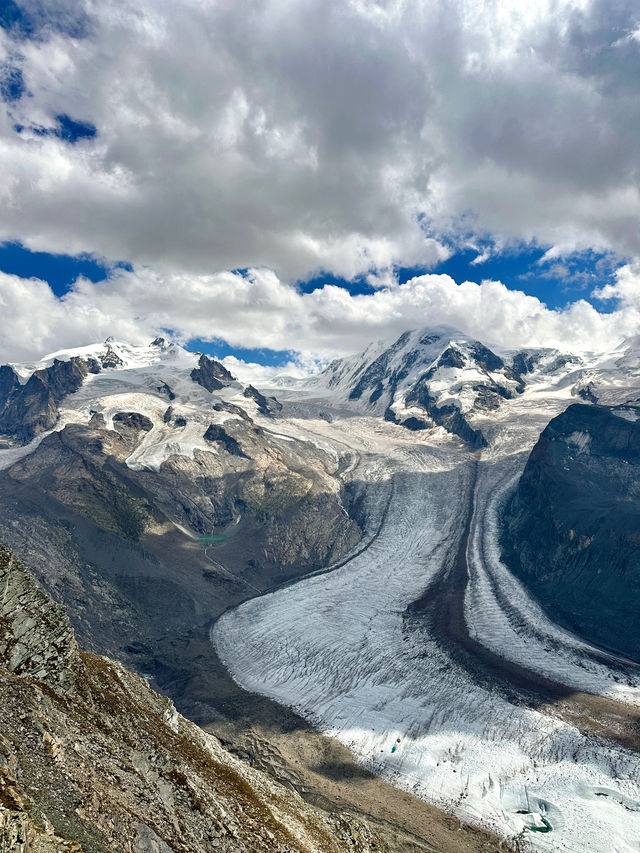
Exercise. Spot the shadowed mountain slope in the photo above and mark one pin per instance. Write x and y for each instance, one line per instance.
(571, 528)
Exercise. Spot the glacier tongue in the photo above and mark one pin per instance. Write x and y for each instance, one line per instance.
(343, 650)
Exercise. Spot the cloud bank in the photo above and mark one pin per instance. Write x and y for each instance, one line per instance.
(258, 309)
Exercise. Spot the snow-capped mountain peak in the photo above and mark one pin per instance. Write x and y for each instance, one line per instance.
(436, 377)
(114, 354)
(176, 401)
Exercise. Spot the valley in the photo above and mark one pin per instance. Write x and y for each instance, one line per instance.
(320, 426)
(314, 572)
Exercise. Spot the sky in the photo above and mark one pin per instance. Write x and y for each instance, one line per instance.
(282, 181)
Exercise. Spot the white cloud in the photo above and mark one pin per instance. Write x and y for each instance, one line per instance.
(315, 135)
(251, 373)
(260, 310)
(625, 290)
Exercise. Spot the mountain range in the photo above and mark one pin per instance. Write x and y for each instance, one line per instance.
(432, 511)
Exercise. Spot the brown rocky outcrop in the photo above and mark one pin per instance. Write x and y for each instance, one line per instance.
(36, 638)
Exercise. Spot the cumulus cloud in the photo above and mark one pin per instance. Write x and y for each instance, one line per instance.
(258, 309)
(344, 136)
(288, 138)
(259, 374)
(625, 291)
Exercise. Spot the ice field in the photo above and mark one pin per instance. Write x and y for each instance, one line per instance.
(343, 651)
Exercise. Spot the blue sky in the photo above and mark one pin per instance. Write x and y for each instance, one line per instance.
(59, 271)
(556, 282)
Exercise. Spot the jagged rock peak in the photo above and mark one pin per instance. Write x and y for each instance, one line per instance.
(266, 406)
(110, 358)
(211, 374)
(30, 408)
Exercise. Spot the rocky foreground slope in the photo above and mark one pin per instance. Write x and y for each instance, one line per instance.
(92, 759)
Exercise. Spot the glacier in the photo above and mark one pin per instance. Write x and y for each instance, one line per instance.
(350, 651)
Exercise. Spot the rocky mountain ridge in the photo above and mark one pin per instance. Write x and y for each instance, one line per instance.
(30, 395)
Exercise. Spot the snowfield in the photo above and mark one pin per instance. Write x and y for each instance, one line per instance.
(341, 649)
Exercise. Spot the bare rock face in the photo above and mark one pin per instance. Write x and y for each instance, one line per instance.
(217, 434)
(36, 638)
(570, 529)
(74, 466)
(19, 834)
(266, 405)
(9, 383)
(211, 374)
(110, 358)
(26, 410)
(132, 421)
(92, 759)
